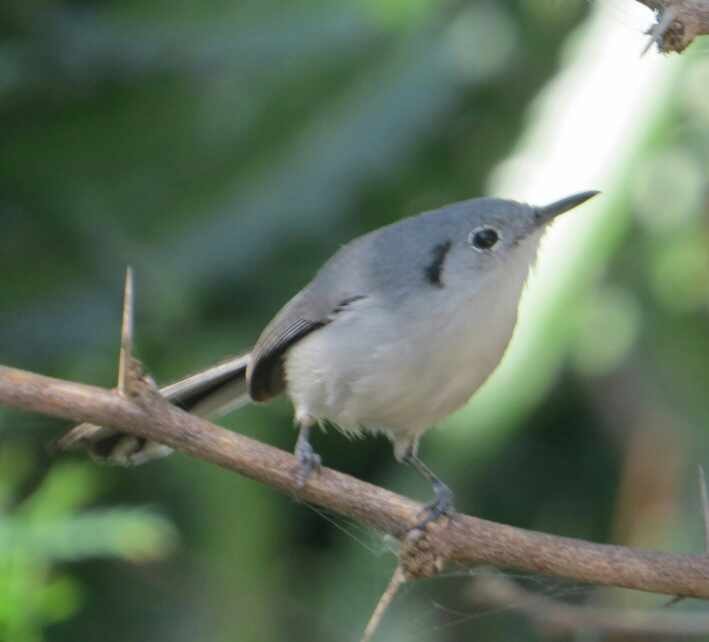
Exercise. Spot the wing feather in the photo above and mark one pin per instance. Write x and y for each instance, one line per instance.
(266, 378)
(299, 317)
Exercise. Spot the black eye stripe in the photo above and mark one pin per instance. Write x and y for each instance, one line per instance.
(438, 256)
(484, 238)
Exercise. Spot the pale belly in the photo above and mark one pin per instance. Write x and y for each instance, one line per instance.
(375, 371)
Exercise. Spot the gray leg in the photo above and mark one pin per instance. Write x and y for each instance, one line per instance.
(443, 502)
(308, 460)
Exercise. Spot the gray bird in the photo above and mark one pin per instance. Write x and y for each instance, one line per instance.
(395, 332)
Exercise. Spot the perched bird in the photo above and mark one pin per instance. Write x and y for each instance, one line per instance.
(395, 332)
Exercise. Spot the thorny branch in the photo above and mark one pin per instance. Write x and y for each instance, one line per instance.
(462, 539)
(679, 22)
(137, 408)
(556, 617)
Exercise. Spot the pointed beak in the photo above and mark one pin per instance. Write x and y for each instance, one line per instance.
(548, 213)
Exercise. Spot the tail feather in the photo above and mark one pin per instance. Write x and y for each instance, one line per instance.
(216, 391)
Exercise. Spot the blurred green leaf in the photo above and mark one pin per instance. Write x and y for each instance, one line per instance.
(679, 274)
(66, 487)
(130, 533)
(609, 322)
(45, 529)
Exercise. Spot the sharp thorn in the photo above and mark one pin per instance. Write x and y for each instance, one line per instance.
(705, 505)
(650, 41)
(659, 29)
(126, 352)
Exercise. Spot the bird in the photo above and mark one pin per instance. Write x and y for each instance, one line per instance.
(397, 330)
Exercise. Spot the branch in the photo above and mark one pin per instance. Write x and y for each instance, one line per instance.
(397, 579)
(566, 618)
(462, 538)
(679, 22)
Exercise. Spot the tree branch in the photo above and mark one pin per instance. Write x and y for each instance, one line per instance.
(679, 22)
(462, 538)
(558, 617)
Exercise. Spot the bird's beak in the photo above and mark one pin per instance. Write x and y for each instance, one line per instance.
(548, 213)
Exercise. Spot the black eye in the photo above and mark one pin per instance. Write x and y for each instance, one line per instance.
(484, 238)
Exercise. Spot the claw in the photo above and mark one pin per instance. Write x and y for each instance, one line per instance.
(441, 506)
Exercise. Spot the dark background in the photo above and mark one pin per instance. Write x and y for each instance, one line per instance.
(224, 150)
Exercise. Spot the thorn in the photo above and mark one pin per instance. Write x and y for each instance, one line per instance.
(705, 505)
(658, 30)
(126, 353)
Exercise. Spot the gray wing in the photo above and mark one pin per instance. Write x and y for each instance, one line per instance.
(305, 313)
(295, 320)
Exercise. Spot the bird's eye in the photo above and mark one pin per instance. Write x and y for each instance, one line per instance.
(483, 238)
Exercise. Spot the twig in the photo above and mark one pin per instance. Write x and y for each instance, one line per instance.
(462, 538)
(397, 579)
(566, 618)
(679, 22)
(418, 557)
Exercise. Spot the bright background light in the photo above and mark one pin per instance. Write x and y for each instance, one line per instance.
(585, 127)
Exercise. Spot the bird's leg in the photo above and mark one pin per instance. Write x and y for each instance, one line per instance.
(308, 460)
(443, 501)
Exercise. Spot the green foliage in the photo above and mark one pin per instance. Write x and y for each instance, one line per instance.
(50, 526)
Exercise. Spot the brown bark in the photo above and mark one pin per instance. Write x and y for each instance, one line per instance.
(679, 22)
(462, 538)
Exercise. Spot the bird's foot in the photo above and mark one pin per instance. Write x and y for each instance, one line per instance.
(308, 462)
(441, 506)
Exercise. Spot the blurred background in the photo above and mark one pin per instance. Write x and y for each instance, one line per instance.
(225, 149)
